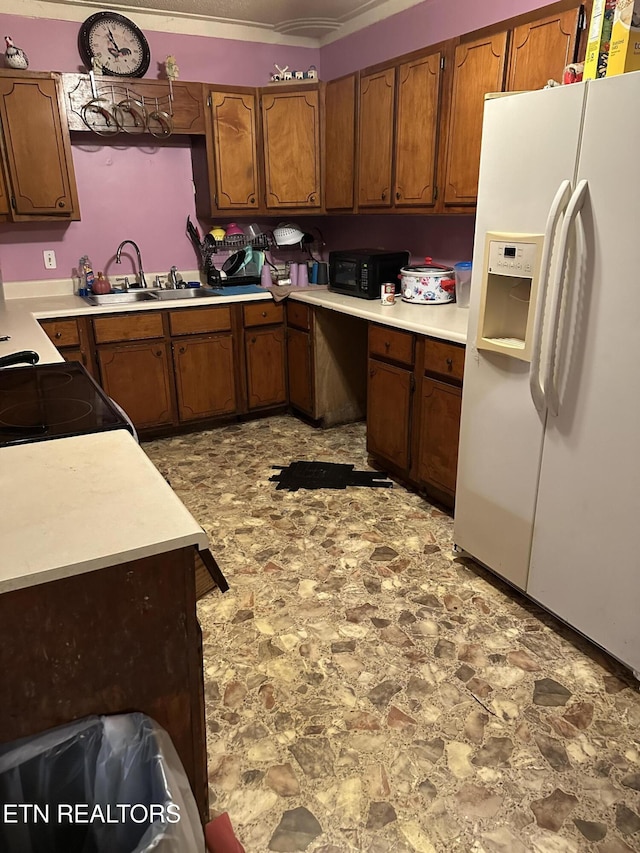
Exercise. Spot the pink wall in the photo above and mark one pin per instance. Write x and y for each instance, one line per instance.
(447, 239)
(140, 192)
(427, 23)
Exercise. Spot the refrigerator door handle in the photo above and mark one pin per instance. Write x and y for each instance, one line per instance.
(573, 209)
(558, 206)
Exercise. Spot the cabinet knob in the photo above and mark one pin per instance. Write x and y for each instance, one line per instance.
(158, 353)
(312, 199)
(449, 363)
(387, 344)
(252, 200)
(398, 196)
(372, 371)
(60, 204)
(264, 313)
(58, 334)
(182, 350)
(384, 195)
(253, 340)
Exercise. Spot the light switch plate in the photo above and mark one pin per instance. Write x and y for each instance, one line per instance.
(50, 262)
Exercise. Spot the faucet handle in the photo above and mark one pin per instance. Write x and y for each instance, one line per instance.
(124, 280)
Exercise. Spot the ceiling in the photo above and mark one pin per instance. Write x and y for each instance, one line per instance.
(304, 22)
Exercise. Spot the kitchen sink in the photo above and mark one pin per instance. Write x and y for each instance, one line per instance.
(123, 298)
(184, 293)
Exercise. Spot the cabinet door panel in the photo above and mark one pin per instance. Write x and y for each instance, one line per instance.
(266, 384)
(540, 50)
(37, 149)
(416, 130)
(439, 433)
(340, 143)
(478, 69)
(235, 149)
(300, 370)
(376, 139)
(388, 412)
(137, 377)
(291, 123)
(4, 196)
(204, 377)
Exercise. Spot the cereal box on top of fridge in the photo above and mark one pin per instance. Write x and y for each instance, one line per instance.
(624, 53)
(595, 63)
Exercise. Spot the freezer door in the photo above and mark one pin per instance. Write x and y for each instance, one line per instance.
(529, 147)
(584, 561)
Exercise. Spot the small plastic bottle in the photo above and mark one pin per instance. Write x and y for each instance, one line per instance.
(82, 280)
(89, 276)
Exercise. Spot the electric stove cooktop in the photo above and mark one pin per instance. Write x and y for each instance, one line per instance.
(46, 401)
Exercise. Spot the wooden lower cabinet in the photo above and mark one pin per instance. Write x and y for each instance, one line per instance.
(415, 435)
(390, 391)
(265, 355)
(137, 376)
(440, 405)
(111, 641)
(72, 338)
(205, 377)
(300, 366)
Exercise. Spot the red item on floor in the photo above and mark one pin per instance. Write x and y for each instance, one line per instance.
(220, 836)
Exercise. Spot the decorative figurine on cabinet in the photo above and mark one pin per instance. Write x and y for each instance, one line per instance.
(171, 68)
(15, 57)
(276, 78)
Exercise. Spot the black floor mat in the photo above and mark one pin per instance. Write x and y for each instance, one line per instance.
(325, 475)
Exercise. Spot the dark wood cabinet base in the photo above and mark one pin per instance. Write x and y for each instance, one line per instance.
(111, 641)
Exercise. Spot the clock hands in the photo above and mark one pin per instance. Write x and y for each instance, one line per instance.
(116, 51)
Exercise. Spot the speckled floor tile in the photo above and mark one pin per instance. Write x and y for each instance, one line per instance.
(366, 690)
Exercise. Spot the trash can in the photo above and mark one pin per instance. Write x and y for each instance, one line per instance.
(98, 785)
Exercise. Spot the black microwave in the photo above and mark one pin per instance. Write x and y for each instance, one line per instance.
(360, 272)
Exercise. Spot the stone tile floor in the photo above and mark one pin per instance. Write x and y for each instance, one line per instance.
(368, 691)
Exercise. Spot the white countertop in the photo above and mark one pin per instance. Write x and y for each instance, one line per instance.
(447, 321)
(73, 505)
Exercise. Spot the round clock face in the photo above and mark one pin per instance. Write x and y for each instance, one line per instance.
(114, 44)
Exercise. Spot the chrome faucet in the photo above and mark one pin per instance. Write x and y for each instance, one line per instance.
(142, 282)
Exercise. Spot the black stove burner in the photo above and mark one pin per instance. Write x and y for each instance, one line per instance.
(53, 401)
(40, 414)
(23, 381)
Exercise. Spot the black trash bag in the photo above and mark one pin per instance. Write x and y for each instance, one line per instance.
(99, 785)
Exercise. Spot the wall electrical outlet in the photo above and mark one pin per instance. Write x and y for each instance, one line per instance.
(50, 259)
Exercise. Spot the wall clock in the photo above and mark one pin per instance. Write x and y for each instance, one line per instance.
(114, 43)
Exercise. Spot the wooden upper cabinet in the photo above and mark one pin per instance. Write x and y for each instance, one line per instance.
(291, 129)
(37, 148)
(540, 50)
(340, 143)
(479, 68)
(4, 198)
(377, 93)
(417, 130)
(235, 149)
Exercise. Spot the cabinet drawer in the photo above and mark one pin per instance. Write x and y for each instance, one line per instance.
(129, 327)
(262, 314)
(194, 321)
(63, 333)
(298, 315)
(391, 344)
(447, 360)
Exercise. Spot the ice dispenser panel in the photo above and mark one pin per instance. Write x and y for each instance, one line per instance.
(509, 288)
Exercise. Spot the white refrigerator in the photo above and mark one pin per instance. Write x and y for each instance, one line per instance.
(548, 487)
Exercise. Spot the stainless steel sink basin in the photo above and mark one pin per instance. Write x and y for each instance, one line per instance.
(184, 293)
(124, 298)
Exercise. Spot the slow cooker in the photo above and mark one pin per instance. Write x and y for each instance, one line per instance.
(428, 284)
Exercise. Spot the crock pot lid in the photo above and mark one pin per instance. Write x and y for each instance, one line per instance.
(442, 272)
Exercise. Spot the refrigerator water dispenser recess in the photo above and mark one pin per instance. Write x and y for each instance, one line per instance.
(509, 293)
